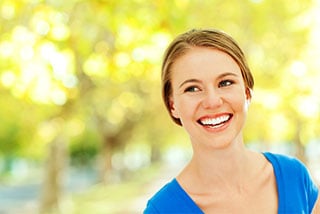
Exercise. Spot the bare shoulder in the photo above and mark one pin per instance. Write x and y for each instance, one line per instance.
(260, 162)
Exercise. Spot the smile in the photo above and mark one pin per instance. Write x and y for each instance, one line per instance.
(215, 122)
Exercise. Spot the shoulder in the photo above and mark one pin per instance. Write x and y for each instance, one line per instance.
(285, 163)
(171, 198)
(159, 201)
(294, 180)
(289, 168)
(281, 158)
(164, 193)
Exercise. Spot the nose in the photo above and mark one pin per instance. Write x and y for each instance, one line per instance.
(212, 99)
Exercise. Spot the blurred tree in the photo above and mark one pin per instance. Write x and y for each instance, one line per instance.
(88, 72)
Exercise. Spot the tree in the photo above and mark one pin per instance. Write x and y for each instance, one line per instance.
(86, 71)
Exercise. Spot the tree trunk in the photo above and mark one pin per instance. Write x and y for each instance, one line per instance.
(52, 186)
(105, 163)
(299, 146)
(155, 153)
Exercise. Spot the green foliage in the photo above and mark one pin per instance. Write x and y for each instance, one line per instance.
(84, 149)
(82, 67)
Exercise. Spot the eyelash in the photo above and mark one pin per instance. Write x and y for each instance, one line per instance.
(223, 83)
(192, 89)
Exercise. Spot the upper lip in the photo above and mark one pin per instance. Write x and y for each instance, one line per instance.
(214, 119)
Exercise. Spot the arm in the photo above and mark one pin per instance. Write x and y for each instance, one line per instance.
(150, 209)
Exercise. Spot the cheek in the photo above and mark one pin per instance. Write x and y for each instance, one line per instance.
(239, 102)
(177, 107)
(244, 105)
(186, 106)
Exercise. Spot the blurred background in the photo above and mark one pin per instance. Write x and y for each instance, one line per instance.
(82, 125)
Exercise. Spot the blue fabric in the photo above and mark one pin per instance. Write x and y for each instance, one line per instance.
(171, 199)
(297, 193)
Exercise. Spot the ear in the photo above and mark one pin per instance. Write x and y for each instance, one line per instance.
(173, 109)
(249, 94)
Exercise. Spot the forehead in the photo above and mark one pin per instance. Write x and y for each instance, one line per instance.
(198, 59)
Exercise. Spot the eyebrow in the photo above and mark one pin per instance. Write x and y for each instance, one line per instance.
(189, 81)
(199, 81)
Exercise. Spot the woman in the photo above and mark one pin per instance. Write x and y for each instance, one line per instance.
(207, 88)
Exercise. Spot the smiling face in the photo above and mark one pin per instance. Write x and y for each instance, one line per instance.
(209, 97)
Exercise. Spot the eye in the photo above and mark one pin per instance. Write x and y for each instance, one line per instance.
(192, 89)
(225, 83)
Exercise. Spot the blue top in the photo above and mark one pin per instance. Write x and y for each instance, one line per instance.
(297, 193)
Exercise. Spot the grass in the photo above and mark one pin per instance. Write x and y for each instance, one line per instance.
(119, 198)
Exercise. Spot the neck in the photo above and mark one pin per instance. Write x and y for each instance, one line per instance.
(223, 167)
(224, 162)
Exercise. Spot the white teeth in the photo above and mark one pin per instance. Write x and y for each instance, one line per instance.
(215, 121)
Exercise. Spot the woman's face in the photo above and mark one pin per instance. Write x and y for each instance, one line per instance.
(209, 97)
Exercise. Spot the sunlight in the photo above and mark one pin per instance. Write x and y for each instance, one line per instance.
(96, 65)
(270, 100)
(257, 1)
(298, 69)
(26, 52)
(122, 59)
(47, 130)
(42, 27)
(22, 36)
(6, 49)
(58, 96)
(60, 32)
(308, 106)
(88, 74)
(279, 127)
(8, 10)
(8, 78)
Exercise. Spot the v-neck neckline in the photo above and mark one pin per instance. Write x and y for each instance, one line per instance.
(276, 171)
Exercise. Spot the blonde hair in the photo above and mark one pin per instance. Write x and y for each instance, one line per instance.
(201, 38)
